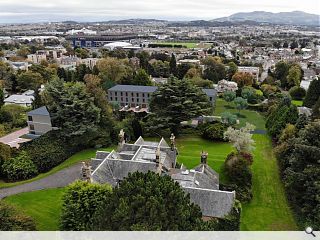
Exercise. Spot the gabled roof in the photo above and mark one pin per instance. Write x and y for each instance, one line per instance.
(40, 111)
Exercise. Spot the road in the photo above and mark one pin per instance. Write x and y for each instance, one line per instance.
(56, 180)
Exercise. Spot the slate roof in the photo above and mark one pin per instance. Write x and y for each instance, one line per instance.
(40, 111)
(210, 92)
(213, 203)
(134, 88)
(202, 182)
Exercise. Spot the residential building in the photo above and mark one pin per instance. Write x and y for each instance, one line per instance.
(39, 122)
(21, 100)
(136, 98)
(202, 182)
(254, 71)
(37, 58)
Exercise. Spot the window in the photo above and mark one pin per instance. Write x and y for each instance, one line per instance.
(126, 94)
(142, 94)
(110, 98)
(132, 94)
(132, 99)
(116, 93)
(210, 98)
(31, 126)
(121, 94)
(116, 99)
(30, 118)
(137, 94)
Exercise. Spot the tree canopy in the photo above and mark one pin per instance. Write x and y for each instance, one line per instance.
(148, 202)
(177, 101)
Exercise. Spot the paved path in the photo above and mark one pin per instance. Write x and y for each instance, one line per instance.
(13, 139)
(58, 179)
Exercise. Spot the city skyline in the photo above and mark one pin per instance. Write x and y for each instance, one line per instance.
(79, 10)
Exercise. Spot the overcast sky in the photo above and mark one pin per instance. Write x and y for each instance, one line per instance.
(98, 10)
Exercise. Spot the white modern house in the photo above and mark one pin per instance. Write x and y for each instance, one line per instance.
(39, 122)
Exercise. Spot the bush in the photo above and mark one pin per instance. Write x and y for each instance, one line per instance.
(238, 171)
(214, 131)
(251, 95)
(80, 202)
(228, 118)
(5, 154)
(12, 219)
(19, 168)
(48, 151)
(297, 93)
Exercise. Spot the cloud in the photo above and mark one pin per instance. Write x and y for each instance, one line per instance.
(93, 10)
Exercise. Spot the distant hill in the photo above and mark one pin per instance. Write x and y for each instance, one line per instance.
(136, 21)
(295, 18)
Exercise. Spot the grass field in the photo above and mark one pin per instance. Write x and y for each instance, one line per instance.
(43, 206)
(298, 103)
(190, 147)
(245, 115)
(185, 44)
(269, 209)
(78, 157)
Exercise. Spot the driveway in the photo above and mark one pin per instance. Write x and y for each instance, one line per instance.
(13, 139)
(56, 180)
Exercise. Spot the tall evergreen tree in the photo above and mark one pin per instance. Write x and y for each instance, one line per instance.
(173, 65)
(313, 93)
(177, 101)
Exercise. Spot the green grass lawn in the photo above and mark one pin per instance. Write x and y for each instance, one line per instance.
(78, 157)
(298, 103)
(269, 209)
(250, 116)
(186, 44)
(43, 206)
(190, 147)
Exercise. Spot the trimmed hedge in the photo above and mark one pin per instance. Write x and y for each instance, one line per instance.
(19, 168)
(49, 150)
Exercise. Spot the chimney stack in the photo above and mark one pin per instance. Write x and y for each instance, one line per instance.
(86, 172)
(172, 142)
(204, 157)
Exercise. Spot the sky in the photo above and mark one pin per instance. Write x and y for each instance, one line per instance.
(13, 11)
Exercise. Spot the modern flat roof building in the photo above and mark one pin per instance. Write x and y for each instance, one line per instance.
(39, 121)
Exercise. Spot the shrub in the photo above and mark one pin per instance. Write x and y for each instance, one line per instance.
(12, 219)
(80, 202)
(238, 171)
(228, 118)
(229, 96)
(251, 95)
(297, 93)
(19, 168)
(214, 132)
(5, 154)
(48, 151)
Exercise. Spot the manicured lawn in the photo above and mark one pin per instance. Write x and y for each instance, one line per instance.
(269, 209)
(78, 157)
(250, 116)
(298, 103)
(43, 206)
(190, 147)
(186, 44)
